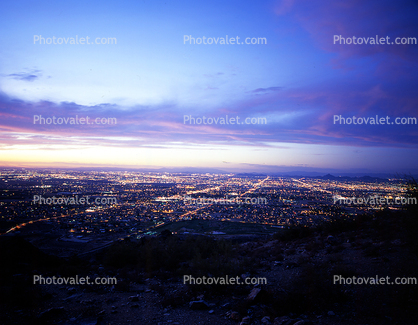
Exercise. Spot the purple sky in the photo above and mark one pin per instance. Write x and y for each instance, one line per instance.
(151, 79)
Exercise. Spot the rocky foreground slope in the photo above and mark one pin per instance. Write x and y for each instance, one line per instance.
(298, 264)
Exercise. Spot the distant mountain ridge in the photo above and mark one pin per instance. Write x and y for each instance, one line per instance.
(340, 175)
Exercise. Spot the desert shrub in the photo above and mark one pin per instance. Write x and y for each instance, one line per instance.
(277, 250)
(160, 289)
(293, 232)
(334, 249)
(291, 251)
(341, 224)
(122, 285)
(121, 254)
(344, 270)
(303, 259)
(198, 255)
(313, 290)
(334, 258)
(314, 246)
(176, 298)
(371, 251)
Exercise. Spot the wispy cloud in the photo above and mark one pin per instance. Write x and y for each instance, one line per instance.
(26, 76)
(264, 90)
(299, 115)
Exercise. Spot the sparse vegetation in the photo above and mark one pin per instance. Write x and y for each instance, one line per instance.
(197, 254)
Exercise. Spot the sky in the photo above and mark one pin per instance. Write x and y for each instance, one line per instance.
(149, 83)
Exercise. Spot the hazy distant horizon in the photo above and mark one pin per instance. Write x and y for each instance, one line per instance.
(279, 171)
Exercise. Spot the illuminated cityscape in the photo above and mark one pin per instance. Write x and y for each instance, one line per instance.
(144, 201)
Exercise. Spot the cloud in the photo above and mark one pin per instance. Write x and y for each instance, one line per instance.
(264, 90)
(26, 76)
(214, 75)
(293, 115)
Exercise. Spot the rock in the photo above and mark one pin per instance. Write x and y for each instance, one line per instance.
(331, 313)
(235, 315)
(396, 242)
(134, 298)
(226, 305)
(77, 295)
(250, 312)
(301, 322)
(265, 263)
(245, 321)
(87, 302)
(46, 296)
(253, 294)
(265, 320)
(55, 311)
(211, 311)
(256, 311)
(198, 305)
(291, 265)
(281, 320)
(270, 244)
(331, 240)
(90, 321)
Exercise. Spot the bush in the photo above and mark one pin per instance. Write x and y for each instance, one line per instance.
(293, 232)
(121, 254)
(197, 255)
(311, 291)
